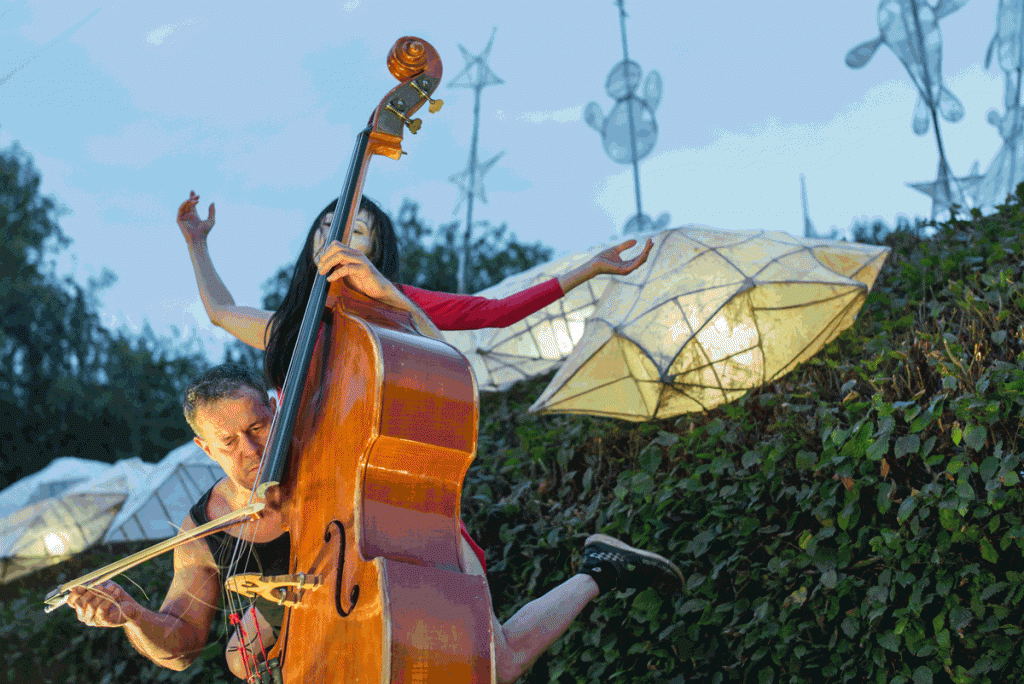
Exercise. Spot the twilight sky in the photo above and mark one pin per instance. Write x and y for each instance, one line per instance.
(126, 106)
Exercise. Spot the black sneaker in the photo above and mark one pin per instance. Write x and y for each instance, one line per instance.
(616, 565)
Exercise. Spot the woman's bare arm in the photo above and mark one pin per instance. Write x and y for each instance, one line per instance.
(244, 322)
(607, 261)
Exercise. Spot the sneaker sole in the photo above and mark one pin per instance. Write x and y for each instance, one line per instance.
(613, 542)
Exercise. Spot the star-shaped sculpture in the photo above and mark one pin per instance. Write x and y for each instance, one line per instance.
(965, 190)
(483, 75)
(462, 178)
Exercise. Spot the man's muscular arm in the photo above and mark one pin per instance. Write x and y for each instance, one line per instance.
(165, 639)
(174, 636)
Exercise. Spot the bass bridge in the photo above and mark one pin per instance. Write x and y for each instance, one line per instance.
(285, 590)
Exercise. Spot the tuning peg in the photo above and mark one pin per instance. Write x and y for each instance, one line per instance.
(435, 105)
(413, 124)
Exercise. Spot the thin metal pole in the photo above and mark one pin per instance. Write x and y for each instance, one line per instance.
(629, 113)
(467, 235)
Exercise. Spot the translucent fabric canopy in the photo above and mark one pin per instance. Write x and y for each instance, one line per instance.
(59, 475)
(711, 315)
(538, 343)
(156, 509)
(129, 501)
(56, 528)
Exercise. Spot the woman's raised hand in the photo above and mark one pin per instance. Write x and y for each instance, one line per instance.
(607, 261)
(610, 261)
(340, 261)
(191, 226)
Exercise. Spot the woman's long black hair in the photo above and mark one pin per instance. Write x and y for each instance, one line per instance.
(283, 328)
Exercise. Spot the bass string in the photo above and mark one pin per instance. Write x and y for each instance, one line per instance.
(242, 551)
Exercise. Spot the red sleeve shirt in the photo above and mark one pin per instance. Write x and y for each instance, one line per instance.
(469, 312)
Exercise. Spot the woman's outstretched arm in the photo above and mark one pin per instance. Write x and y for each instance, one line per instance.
(470, 312)
(244, 322)
(609, 261)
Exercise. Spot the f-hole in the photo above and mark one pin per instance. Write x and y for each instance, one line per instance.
(354, 595)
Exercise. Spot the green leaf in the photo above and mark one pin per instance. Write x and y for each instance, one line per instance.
(879, 448)
(828, 578)
(849, 515)
(699, 544)
(884, 492)
(922, 675)
(694, 605)
(805, 460)
(964, 489)
(805, 539)
(974, 437)
(906, 508)
(666, 438)
(988, 552)
(907, 444)
(957, 435)
(948, 518)
(988, 468)
(960, 617)
(650, 459)
(889, 640)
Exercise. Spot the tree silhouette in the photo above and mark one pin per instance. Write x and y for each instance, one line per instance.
(67, 384)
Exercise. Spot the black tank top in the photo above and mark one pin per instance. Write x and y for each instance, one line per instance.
(267, 558)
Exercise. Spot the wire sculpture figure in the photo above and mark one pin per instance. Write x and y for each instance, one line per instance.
(477, 74)
(911, 30)
(630, 131)
(1006, 170)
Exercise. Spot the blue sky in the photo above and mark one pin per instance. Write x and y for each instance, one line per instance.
(127, 106)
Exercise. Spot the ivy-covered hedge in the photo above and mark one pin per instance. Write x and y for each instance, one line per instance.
(858, 521)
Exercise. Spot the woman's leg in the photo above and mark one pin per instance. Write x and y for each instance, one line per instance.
(608, 564)
(531, 631)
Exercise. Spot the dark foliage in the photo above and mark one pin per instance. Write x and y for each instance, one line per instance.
(857, 521)
(69, 386)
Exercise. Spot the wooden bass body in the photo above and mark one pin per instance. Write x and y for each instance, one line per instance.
(385, 435)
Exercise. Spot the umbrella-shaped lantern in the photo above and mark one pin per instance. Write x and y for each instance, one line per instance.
(711, 315)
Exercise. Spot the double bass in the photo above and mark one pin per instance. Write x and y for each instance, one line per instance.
(365, 460)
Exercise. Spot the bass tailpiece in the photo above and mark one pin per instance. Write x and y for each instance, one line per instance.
(268, 672)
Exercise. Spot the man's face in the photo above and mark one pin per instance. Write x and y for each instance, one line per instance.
(234, 433)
